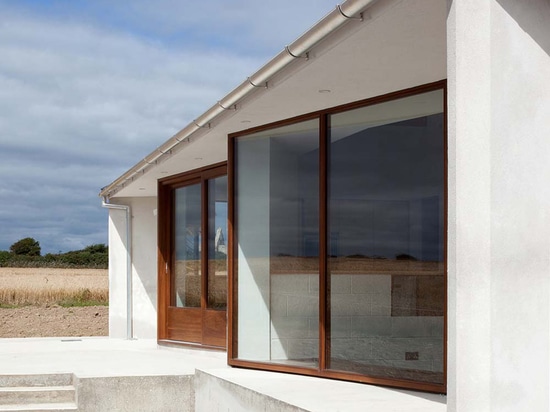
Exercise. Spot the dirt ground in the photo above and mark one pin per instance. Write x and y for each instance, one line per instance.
(47, 319)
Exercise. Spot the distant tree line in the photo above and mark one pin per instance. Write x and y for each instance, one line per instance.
(27, 253)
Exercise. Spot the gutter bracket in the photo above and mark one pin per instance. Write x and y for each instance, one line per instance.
(306, 56)
(206, 126)
(256, 85)
(232, 107)
(360, 18)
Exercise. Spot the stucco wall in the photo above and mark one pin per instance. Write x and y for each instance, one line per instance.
(144, 268)
(117, 273)
(499, 243)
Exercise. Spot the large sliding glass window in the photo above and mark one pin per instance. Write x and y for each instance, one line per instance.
(386, 220)
(278, 224)
(339, 243)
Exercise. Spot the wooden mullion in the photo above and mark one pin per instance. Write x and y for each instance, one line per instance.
(204, 244)
(232, 315)
(163, 271)
(445, 230)
(324, 318)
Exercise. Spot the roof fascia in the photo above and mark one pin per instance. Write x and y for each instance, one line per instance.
(349, 10)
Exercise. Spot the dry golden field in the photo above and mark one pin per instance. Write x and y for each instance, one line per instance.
(53, 302)
(40, 286)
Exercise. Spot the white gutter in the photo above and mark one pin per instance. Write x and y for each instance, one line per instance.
(129, 299)
(350, 9)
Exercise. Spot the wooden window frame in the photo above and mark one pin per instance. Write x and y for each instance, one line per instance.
(166, 188)
(324, 321)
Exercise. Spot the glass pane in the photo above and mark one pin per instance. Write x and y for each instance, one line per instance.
(386, 222)
(277, 199)
(217, 246)
(187, 278)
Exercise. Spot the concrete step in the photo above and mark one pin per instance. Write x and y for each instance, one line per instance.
(40, 407)
(58, 379)
(36, 394)
(216, 393)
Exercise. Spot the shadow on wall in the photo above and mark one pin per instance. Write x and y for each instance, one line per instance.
(533, 17)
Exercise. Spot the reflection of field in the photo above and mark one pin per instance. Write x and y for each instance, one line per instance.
(188, 283)
(417, 288)
(351, 265)
(49, 285)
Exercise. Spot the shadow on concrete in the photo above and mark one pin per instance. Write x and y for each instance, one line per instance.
(533, 16)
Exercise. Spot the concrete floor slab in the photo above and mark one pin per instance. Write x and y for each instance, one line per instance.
(102, 357)
(91, 358)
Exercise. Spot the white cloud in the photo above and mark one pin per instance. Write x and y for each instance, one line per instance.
(89, 88)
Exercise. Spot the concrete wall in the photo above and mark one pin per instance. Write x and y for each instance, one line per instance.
(215, 394)
(499, 196)
(364, 330)
(144, 268)
(136, 393)
(117, 273)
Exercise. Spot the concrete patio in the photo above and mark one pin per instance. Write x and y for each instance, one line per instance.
(137, 375)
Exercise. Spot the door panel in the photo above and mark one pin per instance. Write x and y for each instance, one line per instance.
(193, 273)
(213, 332)
(184, 324)
(217, 250)
(186, 281)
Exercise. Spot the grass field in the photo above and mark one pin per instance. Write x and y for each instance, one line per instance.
(43, 286)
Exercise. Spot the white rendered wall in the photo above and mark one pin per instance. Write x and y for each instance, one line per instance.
(499, 197)
(117, 273)
(144, 268)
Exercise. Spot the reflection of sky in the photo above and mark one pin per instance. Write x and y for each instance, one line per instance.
(221, 218)
(188, 217)
(386, 190)
(220, 207)
(386, 193)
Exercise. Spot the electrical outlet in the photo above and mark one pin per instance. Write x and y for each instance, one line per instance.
(411, 356)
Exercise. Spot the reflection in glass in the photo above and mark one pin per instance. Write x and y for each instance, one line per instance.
(186, 290)
(386, 222)
(277, 204)
(217, 246)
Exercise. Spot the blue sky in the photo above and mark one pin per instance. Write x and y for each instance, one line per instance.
(88, 88)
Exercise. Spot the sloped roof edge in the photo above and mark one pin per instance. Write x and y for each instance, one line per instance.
(350, 9)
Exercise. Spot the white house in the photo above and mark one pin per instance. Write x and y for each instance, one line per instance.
(371, 205)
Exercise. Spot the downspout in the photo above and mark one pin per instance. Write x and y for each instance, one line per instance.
(129, 312)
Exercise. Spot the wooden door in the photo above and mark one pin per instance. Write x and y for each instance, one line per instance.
(193, 282)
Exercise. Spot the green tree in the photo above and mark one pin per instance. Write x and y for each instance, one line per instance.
(27, 247)
(97, 248)
(4, 257)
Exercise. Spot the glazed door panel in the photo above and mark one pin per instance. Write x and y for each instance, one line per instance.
(193, 297)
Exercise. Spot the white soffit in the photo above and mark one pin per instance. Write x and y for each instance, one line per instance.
(399, 44)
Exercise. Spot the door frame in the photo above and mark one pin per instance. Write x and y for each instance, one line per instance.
(191, 322)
